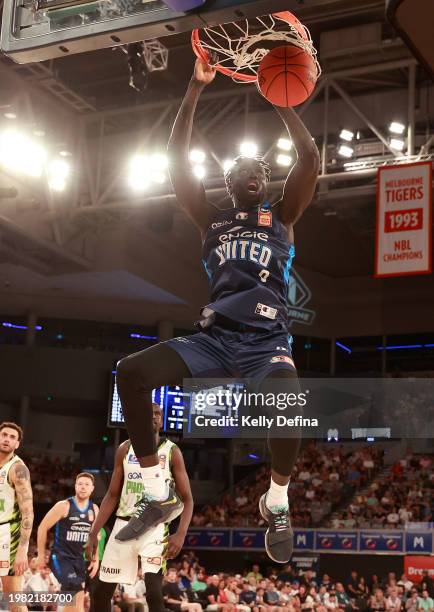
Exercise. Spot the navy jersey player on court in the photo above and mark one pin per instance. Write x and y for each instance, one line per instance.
(73, 519)
(247, 253)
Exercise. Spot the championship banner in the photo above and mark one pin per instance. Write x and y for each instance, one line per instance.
(414, 566)
(404, 220)
(382, 541)
(208, 538)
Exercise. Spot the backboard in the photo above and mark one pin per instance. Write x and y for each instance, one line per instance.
(37, 30)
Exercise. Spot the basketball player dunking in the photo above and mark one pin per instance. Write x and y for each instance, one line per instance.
(73, 518)
(247, 254)
(16, 511)
(120, 561)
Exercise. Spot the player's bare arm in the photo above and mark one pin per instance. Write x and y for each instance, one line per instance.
(109, 502)
(55, 514)
(189, 191)
(182, 486)
(300, 184)
(20, 479)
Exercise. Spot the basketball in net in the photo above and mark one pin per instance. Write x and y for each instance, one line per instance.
(287, 75)
(241, 46)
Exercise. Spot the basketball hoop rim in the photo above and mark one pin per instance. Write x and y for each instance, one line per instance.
(202, 54)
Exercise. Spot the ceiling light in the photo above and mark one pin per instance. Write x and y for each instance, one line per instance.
(346, 135)
(285, 144)
(9, 115)
(227, 164)
(197, 156)
(284, 160)
(20, 154)
(345, 151)
(199, 171)
(397, 144)
(396, 127)
(249, 149)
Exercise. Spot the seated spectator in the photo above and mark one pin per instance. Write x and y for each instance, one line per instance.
(174, 598)
(425, 603)
(377, 601)
(247, 597)
(393, 602)
(412, 603)
(255, 572)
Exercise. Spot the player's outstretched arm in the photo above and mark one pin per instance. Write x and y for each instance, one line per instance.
(109, 503)
(182, 486)
(20, 479)
(55, 514)
(189, 191)
(300, 184)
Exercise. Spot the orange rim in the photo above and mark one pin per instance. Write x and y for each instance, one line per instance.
(202, 53)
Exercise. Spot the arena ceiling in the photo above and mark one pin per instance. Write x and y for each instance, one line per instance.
(100, 245)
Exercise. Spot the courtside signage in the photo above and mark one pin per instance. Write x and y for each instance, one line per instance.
(404, 220)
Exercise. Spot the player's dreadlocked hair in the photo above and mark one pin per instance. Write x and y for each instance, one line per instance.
(237, 160)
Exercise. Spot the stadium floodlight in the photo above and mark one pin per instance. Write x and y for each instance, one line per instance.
(346, 151)
(197, 156)
(57, 171)
(397, 143)
(158, 162)
(285, 144)
(138, 172)
(396, 127)
(248, 149)
(19, 153)
(284, 160)
(199, 171)
(227, 164)
(346, 135)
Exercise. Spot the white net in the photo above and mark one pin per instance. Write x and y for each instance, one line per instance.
(240, 46)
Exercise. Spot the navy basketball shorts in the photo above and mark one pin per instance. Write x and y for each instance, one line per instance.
(71, 573)
(222, 353)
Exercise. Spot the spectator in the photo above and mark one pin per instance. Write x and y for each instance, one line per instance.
(425, 603)
(255, 572)
(428, 583)
(393, 602)
(412, 603)
(342, 597)
(377, 601)
(174, 598)
(247, 597)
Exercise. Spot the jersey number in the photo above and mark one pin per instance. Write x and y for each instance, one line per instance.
(263, 275)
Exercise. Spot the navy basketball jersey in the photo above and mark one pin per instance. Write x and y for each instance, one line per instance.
(247, 256)
(71, 533)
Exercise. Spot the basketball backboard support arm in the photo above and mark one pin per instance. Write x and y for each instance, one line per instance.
(33, 32)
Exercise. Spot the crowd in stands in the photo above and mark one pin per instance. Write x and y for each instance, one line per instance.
(322, 479)
(53, 478)
(188, 587)
(402, 495)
